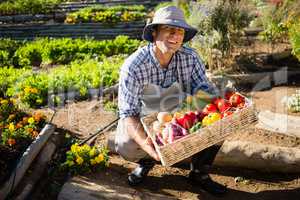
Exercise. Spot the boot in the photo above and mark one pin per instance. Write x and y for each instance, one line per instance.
(138, 175)
(206, 183)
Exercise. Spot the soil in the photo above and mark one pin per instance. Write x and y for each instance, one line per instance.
(81, 119)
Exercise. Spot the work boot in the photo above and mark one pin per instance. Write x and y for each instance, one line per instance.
(138, 175)
(206, 183)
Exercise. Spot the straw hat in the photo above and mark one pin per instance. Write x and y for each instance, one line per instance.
(170, 15)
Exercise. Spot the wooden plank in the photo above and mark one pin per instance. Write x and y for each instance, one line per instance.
(281, 123)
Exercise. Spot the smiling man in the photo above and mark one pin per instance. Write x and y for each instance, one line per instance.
(156, 78)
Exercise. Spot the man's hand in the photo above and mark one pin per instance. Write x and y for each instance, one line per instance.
(137, 132)
(149, 148)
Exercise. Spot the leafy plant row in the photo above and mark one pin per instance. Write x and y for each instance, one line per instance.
(28, 7)
(105, 14)
(45, 51)
(78, 77)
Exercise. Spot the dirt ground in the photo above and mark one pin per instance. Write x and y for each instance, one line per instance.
(84, 118)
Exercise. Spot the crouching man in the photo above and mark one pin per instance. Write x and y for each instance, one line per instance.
(155, 78)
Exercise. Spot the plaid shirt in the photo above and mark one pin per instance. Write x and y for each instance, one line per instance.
(142, 68)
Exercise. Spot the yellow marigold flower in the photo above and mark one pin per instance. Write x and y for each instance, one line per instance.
(27, 89)
(86, 147)
(93, 162)
(74, 148)
(31, 120)
(4, 101)
(33, 90)
(11, 127)
(92, 152)
(79, 160)
(99, 158)
(70, 163)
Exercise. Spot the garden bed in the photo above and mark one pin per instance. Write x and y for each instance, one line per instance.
(22, 136)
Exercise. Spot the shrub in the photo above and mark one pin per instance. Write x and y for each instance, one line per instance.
(294, 36)
(220, 24)
(8, 79)
(30, 54)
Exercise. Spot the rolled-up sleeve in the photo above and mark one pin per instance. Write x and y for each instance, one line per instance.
(129, 97)
(199, 78)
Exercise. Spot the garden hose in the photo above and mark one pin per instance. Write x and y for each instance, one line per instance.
(99, 131)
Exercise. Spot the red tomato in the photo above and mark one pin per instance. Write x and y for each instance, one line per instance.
(223, 105)
(228, 94)
(236, 99)
(209, 108)
(216, 100)
(241, 105)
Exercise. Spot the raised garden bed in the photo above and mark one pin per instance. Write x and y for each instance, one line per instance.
(22, 136)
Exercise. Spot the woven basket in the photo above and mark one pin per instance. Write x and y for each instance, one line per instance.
(203, 138)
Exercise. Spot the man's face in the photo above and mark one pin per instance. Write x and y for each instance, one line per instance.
(168, 38)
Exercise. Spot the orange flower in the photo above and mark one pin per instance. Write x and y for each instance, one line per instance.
(34, 134)
(19, 125)
(37, 117)
(11, 141)
(29, 130)
(25, 120)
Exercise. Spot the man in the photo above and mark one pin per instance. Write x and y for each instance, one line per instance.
(155, 78)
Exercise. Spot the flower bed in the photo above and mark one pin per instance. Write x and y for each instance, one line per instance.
(105, 14)
(17, 131)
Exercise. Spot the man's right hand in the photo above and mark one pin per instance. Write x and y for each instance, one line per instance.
(149, 148)
(137, 132)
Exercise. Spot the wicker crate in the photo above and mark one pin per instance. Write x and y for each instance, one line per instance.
(203, 138)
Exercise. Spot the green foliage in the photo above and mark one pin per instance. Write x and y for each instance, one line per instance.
(79, 76)
(220, 24)
(294, 36)
(9, 77)
(62, 51)
(28, 7)
(105, 14)
(7, 50)
(274, 17)
(183, 5)
(29, 55)
(4, 58)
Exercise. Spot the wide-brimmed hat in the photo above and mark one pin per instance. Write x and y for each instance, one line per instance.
(170, 15)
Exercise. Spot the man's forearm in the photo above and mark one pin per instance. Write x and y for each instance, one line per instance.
(135, 130)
